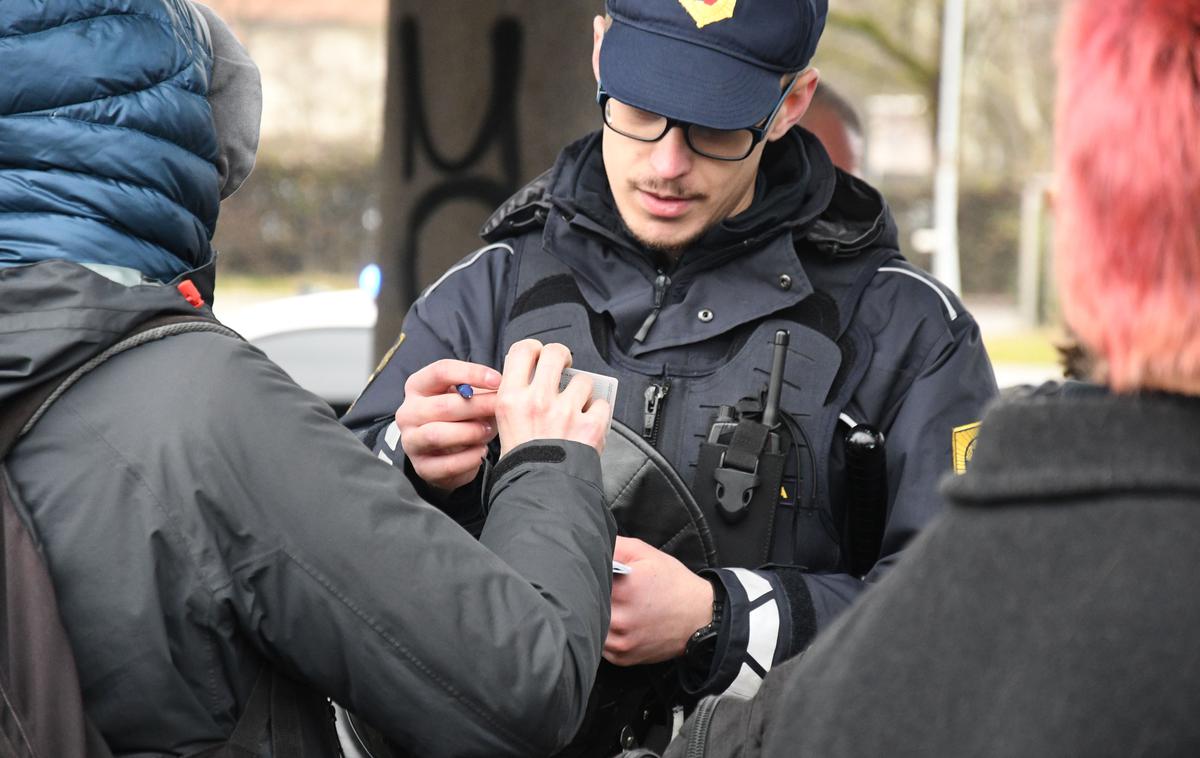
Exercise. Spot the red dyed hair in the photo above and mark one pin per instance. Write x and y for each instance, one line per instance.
(1127, 235)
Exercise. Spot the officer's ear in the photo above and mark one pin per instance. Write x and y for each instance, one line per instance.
(795, 105)
(600, 25)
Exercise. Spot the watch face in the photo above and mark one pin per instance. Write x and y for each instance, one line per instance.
(700, 649)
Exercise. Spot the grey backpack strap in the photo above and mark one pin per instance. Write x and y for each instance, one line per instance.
(41, 704)
(151, 331)
(16, 413)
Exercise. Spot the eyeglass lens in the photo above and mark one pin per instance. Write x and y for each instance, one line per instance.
(728, 144)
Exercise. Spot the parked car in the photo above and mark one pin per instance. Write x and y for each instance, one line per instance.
(322, 340)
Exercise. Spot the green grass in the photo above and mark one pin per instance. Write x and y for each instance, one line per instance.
(1036, 346)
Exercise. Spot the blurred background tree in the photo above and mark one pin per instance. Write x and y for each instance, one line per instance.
(884, 55)
(315, 207)
(311, 208)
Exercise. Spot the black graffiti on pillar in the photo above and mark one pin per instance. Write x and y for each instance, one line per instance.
(498, 128)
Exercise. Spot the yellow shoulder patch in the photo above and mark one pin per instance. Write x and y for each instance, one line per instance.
(387, 357)
(705, 12)
(963, 439)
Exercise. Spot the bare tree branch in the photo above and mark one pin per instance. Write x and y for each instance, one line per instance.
(922, 73)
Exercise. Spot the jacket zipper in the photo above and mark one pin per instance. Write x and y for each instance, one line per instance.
(652, 411)
(661, 283)
(697, 744)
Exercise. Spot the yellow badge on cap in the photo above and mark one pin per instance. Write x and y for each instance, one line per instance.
(705, 12)
(964, 446)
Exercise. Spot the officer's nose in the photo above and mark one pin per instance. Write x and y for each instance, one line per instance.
(671, 157)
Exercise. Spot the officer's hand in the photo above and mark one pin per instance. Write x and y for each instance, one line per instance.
(444, 435)
(655, 608)
(529, 405)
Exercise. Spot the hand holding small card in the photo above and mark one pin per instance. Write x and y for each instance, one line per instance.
(603, 387)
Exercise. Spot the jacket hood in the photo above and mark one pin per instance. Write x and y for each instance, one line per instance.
(108, 151)
(802, 192)
(57, 315)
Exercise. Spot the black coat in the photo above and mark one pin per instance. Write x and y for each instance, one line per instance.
(1052, 611)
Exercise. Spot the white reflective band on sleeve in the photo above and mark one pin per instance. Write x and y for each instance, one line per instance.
(384, 457)
(953, 314)
(754, 584)
(391, 437)
(764, 634)
(746, 684)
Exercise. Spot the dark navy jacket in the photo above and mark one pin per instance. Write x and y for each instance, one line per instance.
(817, 247)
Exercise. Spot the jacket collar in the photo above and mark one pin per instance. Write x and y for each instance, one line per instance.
(805, 204)
(1069, 440)
(57, 315)
(610, 285)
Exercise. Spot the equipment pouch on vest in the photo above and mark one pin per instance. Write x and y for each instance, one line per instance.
(740, 471)
(727, 493)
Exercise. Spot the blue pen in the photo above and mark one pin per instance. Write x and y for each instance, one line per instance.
(465, 390)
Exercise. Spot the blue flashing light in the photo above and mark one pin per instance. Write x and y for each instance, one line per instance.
(370, 280)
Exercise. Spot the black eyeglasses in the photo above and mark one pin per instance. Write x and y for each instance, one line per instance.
(718, 144)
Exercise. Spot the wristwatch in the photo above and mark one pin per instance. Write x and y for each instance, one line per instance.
(702, 645)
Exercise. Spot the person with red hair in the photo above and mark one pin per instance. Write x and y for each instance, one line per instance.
(1128, 219)
(1052, 609)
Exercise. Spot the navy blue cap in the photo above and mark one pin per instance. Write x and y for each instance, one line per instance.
(717, 63)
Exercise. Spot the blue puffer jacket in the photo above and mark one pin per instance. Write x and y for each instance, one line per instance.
(68, 189)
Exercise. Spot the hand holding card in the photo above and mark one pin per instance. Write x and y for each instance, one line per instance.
(529, 407)
(603, 387)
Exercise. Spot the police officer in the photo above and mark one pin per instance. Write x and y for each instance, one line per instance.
(668, 249)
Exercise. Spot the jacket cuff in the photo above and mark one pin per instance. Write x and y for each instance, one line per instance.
(465, 504)
(373, 435)
(756, 633)
(804, 613)
(574, 458)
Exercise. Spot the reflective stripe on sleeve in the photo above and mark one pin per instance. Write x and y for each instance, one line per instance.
(391, 437)
(763, 641)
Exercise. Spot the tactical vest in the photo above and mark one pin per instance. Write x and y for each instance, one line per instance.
(673, 409)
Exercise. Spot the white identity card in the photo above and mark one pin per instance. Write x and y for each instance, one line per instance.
(603, 387)
(621, 568)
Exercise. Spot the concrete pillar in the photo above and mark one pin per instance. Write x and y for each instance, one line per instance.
(481, 96)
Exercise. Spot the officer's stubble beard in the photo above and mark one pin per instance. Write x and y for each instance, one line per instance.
(674, 251)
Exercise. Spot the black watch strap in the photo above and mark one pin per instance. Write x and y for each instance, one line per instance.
(702, 645)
